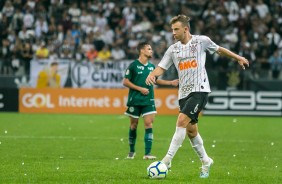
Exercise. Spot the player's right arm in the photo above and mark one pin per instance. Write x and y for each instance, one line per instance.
(210, 46)
(151, 79)
(241, 60)
(129, 84)
(164, 64)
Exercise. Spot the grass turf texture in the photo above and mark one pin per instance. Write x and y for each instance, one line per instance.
(54, 148)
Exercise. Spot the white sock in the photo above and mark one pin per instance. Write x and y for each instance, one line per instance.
(198, 146)
(176, 141)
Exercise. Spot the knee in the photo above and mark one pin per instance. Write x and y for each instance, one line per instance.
(183, 120)
(148, 124)
(191, 133)
(133, 125)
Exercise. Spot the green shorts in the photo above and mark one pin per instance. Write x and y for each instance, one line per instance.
(140, 110)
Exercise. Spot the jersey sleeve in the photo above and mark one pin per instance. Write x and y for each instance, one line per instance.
(166, 61)
(129, 72)
(209, 45)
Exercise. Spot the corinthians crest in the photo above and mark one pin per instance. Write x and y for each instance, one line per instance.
(193, 48)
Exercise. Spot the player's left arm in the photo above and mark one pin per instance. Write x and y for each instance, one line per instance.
(167, 82)
(241, 60)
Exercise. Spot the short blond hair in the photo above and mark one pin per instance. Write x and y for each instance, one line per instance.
(185, 20)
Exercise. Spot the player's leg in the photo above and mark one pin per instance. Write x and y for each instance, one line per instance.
(177, 138)
(133, 113)
(132, 135)
(148, 116)
(197, 143)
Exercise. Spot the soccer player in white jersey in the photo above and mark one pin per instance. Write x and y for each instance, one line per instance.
(188, 55)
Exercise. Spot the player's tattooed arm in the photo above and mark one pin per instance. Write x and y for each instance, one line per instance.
(241, 60)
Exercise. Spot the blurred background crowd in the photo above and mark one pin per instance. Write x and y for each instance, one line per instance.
(103, 30)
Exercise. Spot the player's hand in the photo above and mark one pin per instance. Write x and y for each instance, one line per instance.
(144, 91)
(151, 80)
(175, 82)
(242, 62)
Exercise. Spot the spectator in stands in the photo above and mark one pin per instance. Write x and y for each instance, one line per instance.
(129, 14)
(4, 24)
(132, 45)
(60, 33)
(74, 12)
(8, 10)
(25, 34)
(107, 7)
(104, 55)
(92, 54)
(26, 56)
(66, 22)
(108, 35)
(49, 77)
(264, 69)
(118, 53)
(85, 19)
(31, 4)
(262, 9)
(28, 19)
(41, 28)
(76, 34)
(276, 64)
(42, 52)
(5, 57)
(115, 17)
(17, 21)
(273, 38)
(67, 48)
(101, 21)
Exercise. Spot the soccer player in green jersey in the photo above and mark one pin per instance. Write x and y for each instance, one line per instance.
(141, 98)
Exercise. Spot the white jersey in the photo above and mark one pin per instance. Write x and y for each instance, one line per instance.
(189, 61)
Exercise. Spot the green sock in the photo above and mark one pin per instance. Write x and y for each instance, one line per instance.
(148, 139)
(132, 139)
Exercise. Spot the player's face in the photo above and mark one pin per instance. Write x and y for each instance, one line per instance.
(178, 31)
(147, 51)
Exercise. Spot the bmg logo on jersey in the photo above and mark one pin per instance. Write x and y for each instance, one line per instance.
(187, 64)
(37, 100)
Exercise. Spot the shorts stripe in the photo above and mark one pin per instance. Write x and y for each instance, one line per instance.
(131, 115)
(152, 112)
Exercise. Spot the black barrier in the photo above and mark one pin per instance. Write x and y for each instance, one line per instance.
(260, 103)
(9, 99)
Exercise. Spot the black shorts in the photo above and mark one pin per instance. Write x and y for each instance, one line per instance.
(193, 104)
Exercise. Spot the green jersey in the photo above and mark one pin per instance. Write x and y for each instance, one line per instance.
(137, 74)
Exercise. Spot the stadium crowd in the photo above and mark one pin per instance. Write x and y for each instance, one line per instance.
(102, 30)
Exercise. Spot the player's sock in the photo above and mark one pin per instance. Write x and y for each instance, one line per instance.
(176, 141)
(132, 139)
(148, 139)
(198, 146)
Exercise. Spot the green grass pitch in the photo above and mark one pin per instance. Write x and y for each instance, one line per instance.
(53, 148)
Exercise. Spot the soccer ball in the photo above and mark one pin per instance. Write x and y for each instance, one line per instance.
(157, 170)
